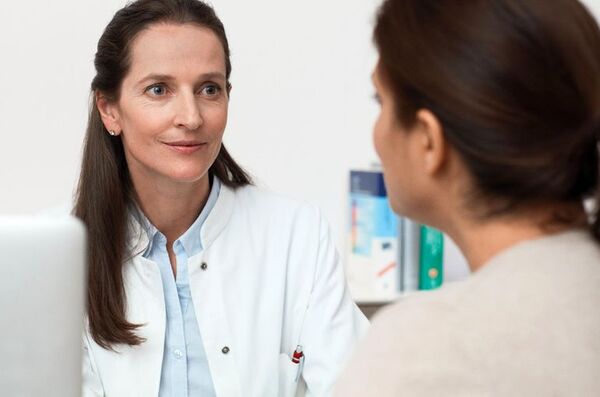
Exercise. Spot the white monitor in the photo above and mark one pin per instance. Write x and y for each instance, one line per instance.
(42, 268)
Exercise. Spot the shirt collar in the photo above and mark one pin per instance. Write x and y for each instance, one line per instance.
(191, 241)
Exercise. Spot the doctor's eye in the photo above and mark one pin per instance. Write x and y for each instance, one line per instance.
(210, 90)
(157, 89)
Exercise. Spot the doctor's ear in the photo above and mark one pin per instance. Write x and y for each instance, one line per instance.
(109, 113)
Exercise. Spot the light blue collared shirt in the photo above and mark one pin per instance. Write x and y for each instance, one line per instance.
(185, 370)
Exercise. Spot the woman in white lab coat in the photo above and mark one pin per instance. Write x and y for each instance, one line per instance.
(199, 283)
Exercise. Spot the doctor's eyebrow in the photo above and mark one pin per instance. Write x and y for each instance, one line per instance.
(167, 77)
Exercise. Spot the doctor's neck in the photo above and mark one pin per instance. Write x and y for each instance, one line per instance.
(171, 206)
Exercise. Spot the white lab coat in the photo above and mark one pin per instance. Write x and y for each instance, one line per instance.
(272, 281)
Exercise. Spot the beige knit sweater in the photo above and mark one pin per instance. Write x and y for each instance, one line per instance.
(525, 324)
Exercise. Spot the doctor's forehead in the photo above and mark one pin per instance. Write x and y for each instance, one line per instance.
(176, 50)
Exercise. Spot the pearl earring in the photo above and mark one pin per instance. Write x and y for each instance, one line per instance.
(111, 132)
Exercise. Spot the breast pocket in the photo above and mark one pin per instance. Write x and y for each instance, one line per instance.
(288, 373)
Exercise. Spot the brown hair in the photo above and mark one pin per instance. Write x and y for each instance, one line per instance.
(105, 190)
(515, 85)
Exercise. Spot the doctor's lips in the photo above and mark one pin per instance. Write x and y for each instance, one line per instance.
(185, 147)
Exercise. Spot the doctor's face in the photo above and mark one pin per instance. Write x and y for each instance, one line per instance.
(172, 108)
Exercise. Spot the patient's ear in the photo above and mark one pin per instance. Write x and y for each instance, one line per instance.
(432, 141)
(109, 113)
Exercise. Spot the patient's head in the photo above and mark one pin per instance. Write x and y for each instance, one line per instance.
(496, 103)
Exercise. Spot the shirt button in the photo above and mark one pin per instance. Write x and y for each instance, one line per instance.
(203, 266)
(177, 353)
(225, 350)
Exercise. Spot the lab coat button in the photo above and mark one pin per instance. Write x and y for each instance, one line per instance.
(177, 353)
(203, 266)
(225, 350)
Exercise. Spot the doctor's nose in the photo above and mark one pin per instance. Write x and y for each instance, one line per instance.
(188, 114)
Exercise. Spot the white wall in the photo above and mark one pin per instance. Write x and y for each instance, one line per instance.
(301, 108)
(47, 51)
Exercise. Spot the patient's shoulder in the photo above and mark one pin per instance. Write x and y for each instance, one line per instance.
(416, 345)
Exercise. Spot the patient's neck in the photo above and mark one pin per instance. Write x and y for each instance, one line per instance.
(481, 239)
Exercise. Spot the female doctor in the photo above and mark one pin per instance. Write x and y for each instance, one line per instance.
(199, 283)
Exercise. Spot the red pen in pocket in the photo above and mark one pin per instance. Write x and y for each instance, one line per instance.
(298, 358)
(297, 355)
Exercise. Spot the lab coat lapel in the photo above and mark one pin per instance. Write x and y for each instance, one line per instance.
(209, 304)
(145, 305)
(207, 289)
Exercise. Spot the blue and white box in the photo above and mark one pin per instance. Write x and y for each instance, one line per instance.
(372, 264)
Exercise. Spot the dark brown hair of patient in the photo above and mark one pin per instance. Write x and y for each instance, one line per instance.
(515, 85)
(105, 192)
